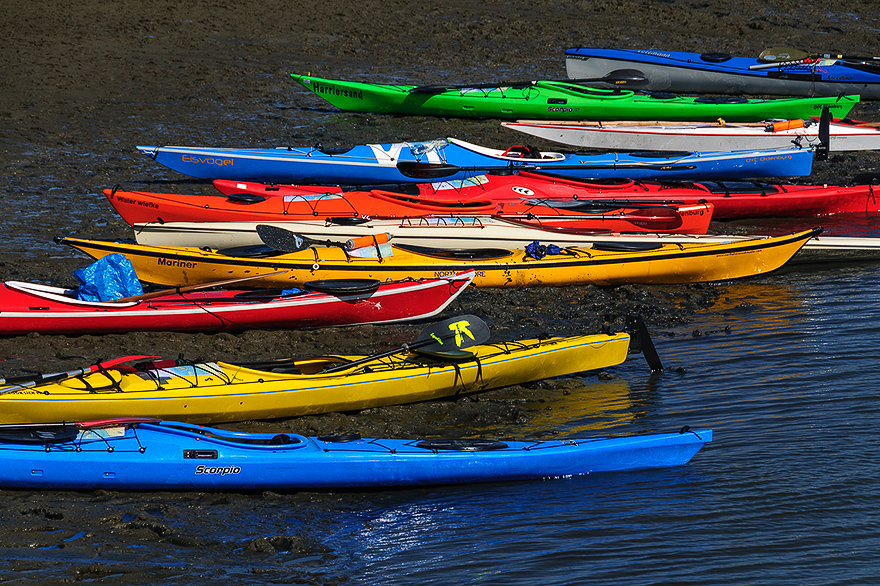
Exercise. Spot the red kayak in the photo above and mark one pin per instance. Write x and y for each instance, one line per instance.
(295, 204)
(732, 199)
(26, 307)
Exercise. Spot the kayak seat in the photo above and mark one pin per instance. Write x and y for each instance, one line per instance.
(245, 198)
(462, 445)
(729, 187)
(721, 100)
(457, 253)
(330, 150)
(716, 57)
(402, 188)
(660, 154)
(626, 246)
(347, 221)
(286, 370)
(281, 439)
(522, 152)
(448, 356)
(343, 286)
(340, 438)
(253, 251)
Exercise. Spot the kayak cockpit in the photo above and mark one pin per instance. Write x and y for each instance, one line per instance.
(273, 440)
(542, 156)
(61, 295)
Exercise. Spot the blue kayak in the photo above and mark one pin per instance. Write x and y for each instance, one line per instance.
(145, 454)
(442, 159)
(783, 71)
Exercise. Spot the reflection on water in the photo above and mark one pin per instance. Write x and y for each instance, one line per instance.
(853, 225)
(512, 533)
(583, 408)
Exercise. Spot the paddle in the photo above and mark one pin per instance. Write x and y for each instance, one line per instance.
(444, 339)
(659, 217)
(618, 77)
(793, 54)
(190, 288)
(640, 341)
(292, 242)
(824, 134)
(287, 241)
(784, 56)
(603, 205)
(420, 170)
(25, 381)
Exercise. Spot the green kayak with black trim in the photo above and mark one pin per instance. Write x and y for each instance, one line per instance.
(556, 100)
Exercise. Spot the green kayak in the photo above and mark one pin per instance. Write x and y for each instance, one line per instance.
(554, 100)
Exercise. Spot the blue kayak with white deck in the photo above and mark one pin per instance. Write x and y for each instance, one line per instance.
(451, 159)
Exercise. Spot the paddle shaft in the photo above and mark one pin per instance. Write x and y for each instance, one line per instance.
(792, 54)
(778, 64)
(816, 59)
(609, 204)
(431, 336)
(619, 77)
(26, 381)
(404, 348)
(190, 288)
(418, 170)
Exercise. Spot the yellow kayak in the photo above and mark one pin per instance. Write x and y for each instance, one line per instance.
(601, 264)
(214, 392)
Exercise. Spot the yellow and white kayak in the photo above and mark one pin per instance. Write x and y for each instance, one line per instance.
(599, 264)
(213, 392)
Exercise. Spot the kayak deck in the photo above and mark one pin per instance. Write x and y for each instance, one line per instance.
(151, 454)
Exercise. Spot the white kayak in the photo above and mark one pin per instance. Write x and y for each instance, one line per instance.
(473, 233)
(431, 231)
(716, 136)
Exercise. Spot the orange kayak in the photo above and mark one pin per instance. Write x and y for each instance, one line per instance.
(333, 204)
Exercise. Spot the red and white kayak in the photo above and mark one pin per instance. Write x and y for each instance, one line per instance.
(26, 307)
(503, 196)
(844, 135)
(732, 200)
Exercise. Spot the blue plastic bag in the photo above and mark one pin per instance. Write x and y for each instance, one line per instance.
(108, 279)
(538, 251)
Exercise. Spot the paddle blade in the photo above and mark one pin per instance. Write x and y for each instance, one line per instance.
(617, 77)
(657, 219)
(453, 334)
(417, 170)
(824, 135)
(783, 54)
(281, 239)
